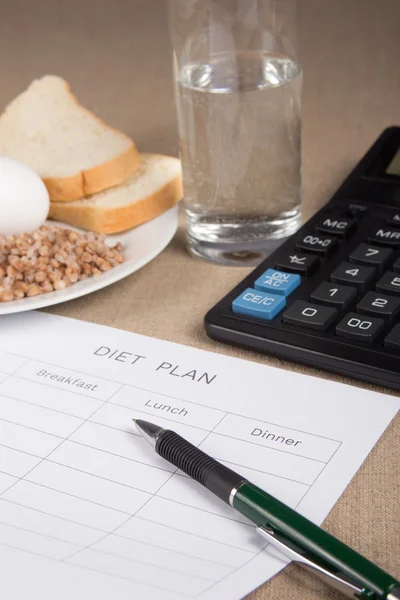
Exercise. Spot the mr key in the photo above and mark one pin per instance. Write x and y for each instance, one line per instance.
(330, 295)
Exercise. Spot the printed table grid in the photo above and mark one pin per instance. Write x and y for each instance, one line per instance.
(27, 358)
(105, 536)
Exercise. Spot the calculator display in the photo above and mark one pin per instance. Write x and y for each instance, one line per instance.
(393, 167)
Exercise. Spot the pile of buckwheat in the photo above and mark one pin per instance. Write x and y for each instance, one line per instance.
(52, 258)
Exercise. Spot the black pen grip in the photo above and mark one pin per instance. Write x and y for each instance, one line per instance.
(199, 466)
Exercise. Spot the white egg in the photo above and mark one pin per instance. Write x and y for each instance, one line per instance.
(24, 199)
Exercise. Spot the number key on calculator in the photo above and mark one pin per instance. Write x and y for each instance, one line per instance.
(376, 304)
(365, 254)
(337, 295)
(353, 274)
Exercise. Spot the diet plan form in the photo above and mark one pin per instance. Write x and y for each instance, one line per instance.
(88, 510)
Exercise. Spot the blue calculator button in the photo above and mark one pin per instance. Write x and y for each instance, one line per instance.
(258, 304)
(277, 282)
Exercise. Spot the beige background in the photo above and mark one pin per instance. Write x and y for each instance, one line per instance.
(116, 55)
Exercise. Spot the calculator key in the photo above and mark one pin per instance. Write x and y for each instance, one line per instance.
(390, 282)
(394, 220)
(336, 295)
(360, 277)
(396, 266)
(336, 225)
(370, 255)
(358, 327)
(386, 236)
(298, 263)
(320, 244)
(277, 282)
(309, 315)
(356, 210)
(379, 305)
(258, 304)
(392, 340)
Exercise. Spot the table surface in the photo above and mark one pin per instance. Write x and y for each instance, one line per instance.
(116, 55)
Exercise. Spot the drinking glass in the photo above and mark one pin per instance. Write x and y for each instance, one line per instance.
(238, 96)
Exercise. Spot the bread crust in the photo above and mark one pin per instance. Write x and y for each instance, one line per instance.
(94, 180)
(115, 220)
(98, 178)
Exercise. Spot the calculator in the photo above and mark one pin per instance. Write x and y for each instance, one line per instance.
(329, 296)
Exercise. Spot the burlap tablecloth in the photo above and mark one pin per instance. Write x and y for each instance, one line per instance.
(116, 55)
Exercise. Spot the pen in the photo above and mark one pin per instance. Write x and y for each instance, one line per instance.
(293, 535)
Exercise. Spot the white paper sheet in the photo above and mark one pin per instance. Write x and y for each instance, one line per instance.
(87, 510)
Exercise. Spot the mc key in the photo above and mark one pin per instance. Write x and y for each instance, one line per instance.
(336, 225)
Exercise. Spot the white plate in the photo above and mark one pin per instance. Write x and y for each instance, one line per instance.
(141, 245)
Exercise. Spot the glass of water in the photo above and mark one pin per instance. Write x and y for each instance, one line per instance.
(238, 96)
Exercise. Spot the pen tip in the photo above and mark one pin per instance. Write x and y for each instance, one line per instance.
(149, 431)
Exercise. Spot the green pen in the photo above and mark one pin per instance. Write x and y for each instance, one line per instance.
(294, 536)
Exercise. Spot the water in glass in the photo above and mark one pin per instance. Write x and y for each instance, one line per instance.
(239, 122)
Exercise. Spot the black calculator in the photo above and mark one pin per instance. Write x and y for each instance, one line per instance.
(329, 296)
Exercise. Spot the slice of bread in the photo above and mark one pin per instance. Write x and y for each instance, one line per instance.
(151, 190)
(74, 152)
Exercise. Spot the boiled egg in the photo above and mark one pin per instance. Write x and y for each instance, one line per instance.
(24, 199)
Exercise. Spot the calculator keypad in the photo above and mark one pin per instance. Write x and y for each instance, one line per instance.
(366, 283)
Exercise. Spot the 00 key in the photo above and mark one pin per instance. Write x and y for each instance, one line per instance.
(357, 327)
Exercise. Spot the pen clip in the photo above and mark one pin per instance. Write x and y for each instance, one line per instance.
(337, 581)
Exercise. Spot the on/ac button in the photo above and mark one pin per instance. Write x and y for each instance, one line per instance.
(277, 282)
